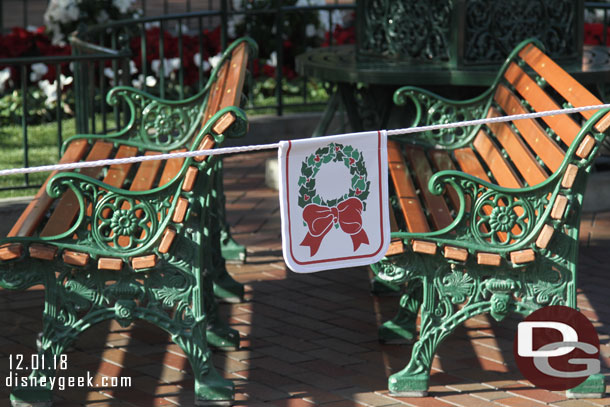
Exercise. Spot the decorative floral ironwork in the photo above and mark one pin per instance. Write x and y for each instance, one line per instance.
(500, 218)
(417, 29)
(123, 222)
(494, 28)
(431, 109)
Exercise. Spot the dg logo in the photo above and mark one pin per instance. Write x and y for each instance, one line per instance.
(556, 348)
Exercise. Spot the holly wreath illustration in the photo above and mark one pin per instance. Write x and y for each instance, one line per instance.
(345, 212)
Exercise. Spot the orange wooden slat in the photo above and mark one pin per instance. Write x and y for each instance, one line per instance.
(405, 190)
(172, 167)
(67, 208)
(36, 209)
(117, 173)
(563, 125)
(517, 151)
(442, 161)
(470, 164)
(237, 74)
(142, 181)
(550, 153)
(500, 169)
(146, 174)
(560, 80)
(435, 204)
(215, 95)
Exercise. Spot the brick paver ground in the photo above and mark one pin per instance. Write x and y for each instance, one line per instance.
(306, 339)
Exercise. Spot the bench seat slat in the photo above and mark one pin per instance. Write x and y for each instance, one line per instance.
(439, 212)
(67, 208)
(412, 210)
(117, 173)
(519, 154)
(36, 209)
(142, 181)
(442, 160)
(500, 169)
(172, 167)
(563, 125)
(550, 153)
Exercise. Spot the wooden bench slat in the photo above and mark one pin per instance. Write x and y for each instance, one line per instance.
(568, 87)
(563, 125)
(146, 173)
(172, 167)
(67, 208)
(550, 153)
(117, 173)
(435, 204)
(469, 163)
(523, 159)
(442, 160)
(215, 95)
(500, 169)
(36, 209)
(142, 181)
(237, 75)
(405, 191)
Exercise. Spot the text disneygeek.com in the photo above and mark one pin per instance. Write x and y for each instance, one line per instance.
(21, 366)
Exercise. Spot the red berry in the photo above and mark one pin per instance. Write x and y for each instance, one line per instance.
(306, 197)
(317, 159)
(358, 191)
(351, 161)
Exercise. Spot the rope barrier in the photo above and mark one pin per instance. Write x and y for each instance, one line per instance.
(243, 149)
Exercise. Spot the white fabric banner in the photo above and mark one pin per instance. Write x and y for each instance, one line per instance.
(334, 201)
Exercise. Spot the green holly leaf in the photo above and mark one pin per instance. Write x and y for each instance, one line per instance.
(302, 180)
(339, 156)
(355, 155)
(306, 170)
(355, 179)
(322, 151)
(317, 199)
(360, 184)
(348, 150)
(310, 160)
(327, 158)
(336, 226)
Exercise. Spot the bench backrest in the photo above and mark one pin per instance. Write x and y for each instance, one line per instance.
(526, 152)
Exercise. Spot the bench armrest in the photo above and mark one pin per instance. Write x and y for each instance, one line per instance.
(106, 212)
(431, 109)
(162, 124)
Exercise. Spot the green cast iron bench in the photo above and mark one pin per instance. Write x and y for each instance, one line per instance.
(136, 241)
(487, 217)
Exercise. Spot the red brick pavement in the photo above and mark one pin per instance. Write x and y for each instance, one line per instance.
(306, 339)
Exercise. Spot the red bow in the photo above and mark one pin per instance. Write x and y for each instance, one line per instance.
(320, 220)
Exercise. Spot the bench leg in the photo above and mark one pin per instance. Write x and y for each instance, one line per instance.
(402, 328)
(232, 251)
(219, 335)
(439, 317)
(57, 335)
(593, 387)
(211, 389)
